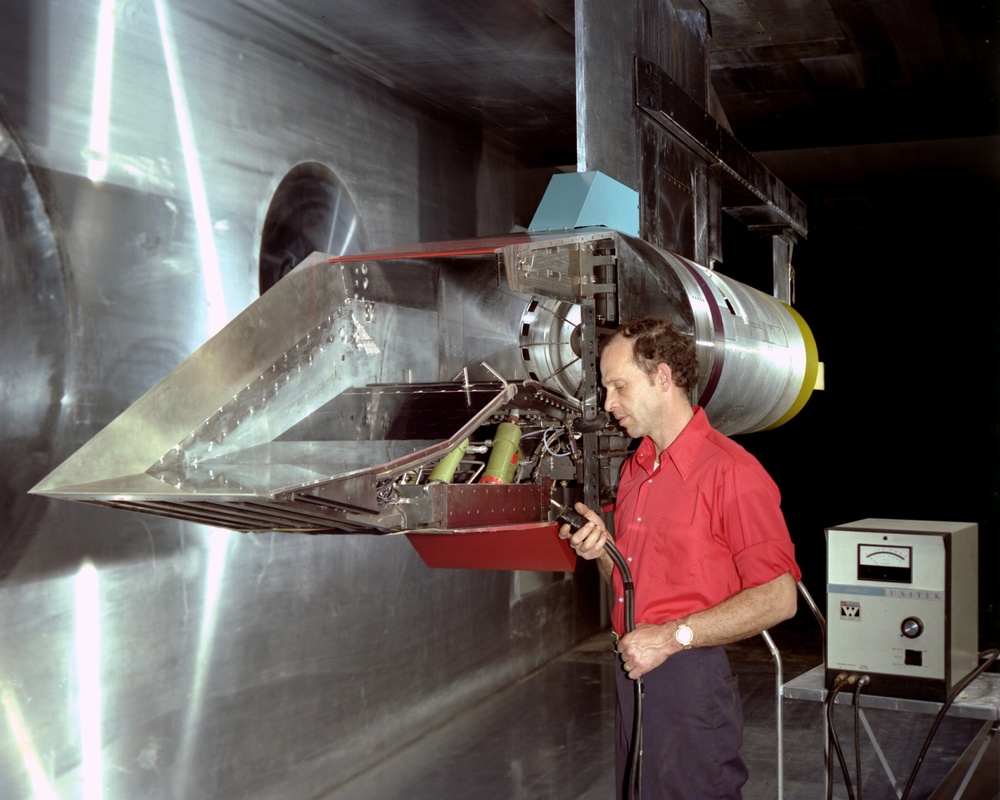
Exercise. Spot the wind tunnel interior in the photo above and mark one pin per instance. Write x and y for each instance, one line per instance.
(188, 650)
(145, 655)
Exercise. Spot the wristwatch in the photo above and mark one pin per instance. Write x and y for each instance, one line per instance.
(684, 635)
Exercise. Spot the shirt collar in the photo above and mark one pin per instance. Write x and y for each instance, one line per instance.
(683, 451)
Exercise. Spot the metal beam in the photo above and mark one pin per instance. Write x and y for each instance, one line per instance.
(750, 191)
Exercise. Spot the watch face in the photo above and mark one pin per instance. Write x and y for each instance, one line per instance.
(684, 635)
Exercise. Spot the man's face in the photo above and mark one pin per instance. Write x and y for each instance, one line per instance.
(634, 400)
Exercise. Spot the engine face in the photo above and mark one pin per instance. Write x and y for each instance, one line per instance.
(550, 344)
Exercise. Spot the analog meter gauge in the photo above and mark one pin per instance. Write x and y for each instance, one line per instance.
(879, 562)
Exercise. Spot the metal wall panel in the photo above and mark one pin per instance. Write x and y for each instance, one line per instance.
(141, 657)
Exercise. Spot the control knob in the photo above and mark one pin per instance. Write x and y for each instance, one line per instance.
(912, 627)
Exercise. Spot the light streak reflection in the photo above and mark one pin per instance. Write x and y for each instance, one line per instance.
(349, 236)
(88, 665)
(41, 789)
(211, 274)
(218, 544)
(100, 110)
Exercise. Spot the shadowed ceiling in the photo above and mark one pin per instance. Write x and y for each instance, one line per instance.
(790, 75)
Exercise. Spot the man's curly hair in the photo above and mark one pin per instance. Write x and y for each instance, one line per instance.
(655, 341)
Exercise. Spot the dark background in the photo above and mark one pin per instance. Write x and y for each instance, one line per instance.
(899, 282)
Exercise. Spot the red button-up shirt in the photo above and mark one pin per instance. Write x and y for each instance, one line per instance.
(701, 528)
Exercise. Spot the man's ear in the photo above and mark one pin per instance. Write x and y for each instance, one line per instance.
(664, 376)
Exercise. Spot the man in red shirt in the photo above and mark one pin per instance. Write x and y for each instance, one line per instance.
(699, 521)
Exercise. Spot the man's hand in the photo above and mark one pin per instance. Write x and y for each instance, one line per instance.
(588, 542)
(646, 647)
(743, 615)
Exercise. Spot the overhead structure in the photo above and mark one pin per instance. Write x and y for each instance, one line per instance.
(648, 117)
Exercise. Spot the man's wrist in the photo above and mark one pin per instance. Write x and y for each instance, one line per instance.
(683, 634)
(606, 566)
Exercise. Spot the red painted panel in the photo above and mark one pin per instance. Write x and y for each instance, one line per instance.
(532, 546)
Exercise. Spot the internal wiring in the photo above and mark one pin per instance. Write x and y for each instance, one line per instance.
(548, 447)
(552, 435)
(477, 469)
(386, 493)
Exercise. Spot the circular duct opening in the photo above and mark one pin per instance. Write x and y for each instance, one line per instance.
(35, 348)
(550, 344)
(311, 211)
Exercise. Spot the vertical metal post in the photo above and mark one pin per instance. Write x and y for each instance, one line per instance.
(778, 682)
(781, 253)
(590, 442)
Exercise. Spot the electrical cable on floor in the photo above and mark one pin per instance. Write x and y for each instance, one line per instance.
(862, 682)
(839, 683)
(990, 656)
(843, 680)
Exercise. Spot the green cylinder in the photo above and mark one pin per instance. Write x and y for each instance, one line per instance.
(503, 458)
(444, 470)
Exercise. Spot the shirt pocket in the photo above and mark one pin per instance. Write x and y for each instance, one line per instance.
(678, 548)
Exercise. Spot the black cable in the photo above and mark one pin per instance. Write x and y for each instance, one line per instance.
(990, 656)
(839, 683)
(862, 682)
(592, 425)
(633, 777)
(843, 680)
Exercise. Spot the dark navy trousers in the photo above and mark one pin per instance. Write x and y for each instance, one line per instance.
(692, 728)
